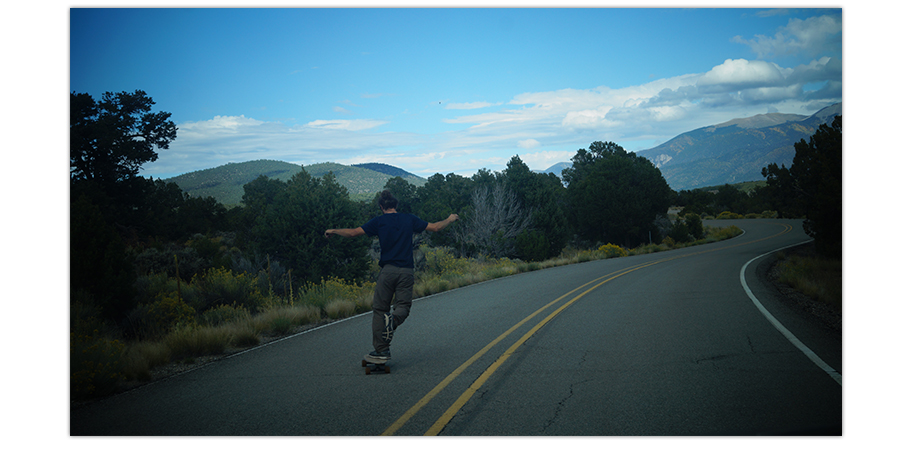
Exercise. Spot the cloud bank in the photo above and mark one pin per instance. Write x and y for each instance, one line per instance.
(548, 126)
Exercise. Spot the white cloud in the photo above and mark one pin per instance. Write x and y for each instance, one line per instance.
(637, 117)
(219, 123)
(469, 105)
(823, 69)
(739, 74)
(590, 119)
(808, 36)
(345, 124)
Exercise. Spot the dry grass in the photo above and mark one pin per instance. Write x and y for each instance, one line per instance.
(234, 327)
(280, 319)
(143, 356)
(339, 309)
(816, 277)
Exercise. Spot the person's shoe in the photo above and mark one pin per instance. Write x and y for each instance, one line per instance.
(388, 333)
(378, 357)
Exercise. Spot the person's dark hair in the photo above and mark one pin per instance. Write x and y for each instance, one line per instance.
(387, 200)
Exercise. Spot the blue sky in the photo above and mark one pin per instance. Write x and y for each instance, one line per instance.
(450, 90)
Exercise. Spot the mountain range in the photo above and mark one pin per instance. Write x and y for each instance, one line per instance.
(226, 183)
(728, 153)
(734, 151)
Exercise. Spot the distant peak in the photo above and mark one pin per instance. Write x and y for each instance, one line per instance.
(760, 121)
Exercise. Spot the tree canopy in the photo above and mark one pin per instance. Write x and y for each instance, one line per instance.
(812, 186)
(288, 219)
(110, 140)
(614, 195)
(544, 196)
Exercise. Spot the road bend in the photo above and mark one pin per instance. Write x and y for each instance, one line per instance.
(686, 342)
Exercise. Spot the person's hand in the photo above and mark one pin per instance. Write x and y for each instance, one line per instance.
(453, 217)
(329, 233)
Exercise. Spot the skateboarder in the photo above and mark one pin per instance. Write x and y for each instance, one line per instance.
(395, 232)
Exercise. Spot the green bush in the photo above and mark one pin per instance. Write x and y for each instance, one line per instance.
(219, 286)
(717, 234)
(96, 365)
(610, 251)
(150, 287)
(167, 313)
(441, 260)
(532, 246)
(694, 225)
(680, 232)
(223, 314)
(726, 215)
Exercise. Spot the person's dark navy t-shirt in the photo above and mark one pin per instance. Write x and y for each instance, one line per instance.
(395, 231)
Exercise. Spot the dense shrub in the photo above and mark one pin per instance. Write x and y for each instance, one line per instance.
(440, 260)
(610, 251)
(166, 313)
(680, 232)
(726, 215)
(219, 286)
(223, 314)
(95, 364)
(532, 246)
(694, 225)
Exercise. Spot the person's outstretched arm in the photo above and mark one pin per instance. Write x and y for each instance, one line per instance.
(436, 227)
(345, 232)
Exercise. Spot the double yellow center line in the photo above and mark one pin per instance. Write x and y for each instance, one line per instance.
(468, 393)
(461, 401)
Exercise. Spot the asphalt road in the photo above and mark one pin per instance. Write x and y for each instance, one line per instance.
(662, 344)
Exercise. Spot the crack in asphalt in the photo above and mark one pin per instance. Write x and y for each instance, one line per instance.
(561, 403)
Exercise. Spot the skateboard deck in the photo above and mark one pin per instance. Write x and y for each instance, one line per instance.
(381, 367)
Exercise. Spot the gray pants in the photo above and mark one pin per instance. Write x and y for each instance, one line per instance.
(394, 284)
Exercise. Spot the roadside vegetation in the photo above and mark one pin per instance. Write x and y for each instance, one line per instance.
(159, 277)
(819, 278)
(174, 328)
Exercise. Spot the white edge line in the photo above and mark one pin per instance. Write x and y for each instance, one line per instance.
(781, 328)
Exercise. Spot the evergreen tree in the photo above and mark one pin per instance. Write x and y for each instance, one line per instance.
(290, 226)
(812, 187)
(544, 196)
(614, 196)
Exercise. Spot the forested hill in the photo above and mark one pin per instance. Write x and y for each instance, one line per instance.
(226, 183)
(392, 171)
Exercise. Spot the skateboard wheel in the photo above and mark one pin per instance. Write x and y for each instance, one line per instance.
(364, 363)
(387, 369)
(368, 370)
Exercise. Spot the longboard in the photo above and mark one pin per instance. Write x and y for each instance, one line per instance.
(381, 367)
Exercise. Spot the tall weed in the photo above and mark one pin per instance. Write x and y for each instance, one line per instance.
(339, 309)
(281, 319)
(333, 288)
(816, 277)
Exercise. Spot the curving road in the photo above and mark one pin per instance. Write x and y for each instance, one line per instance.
(664, 344)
